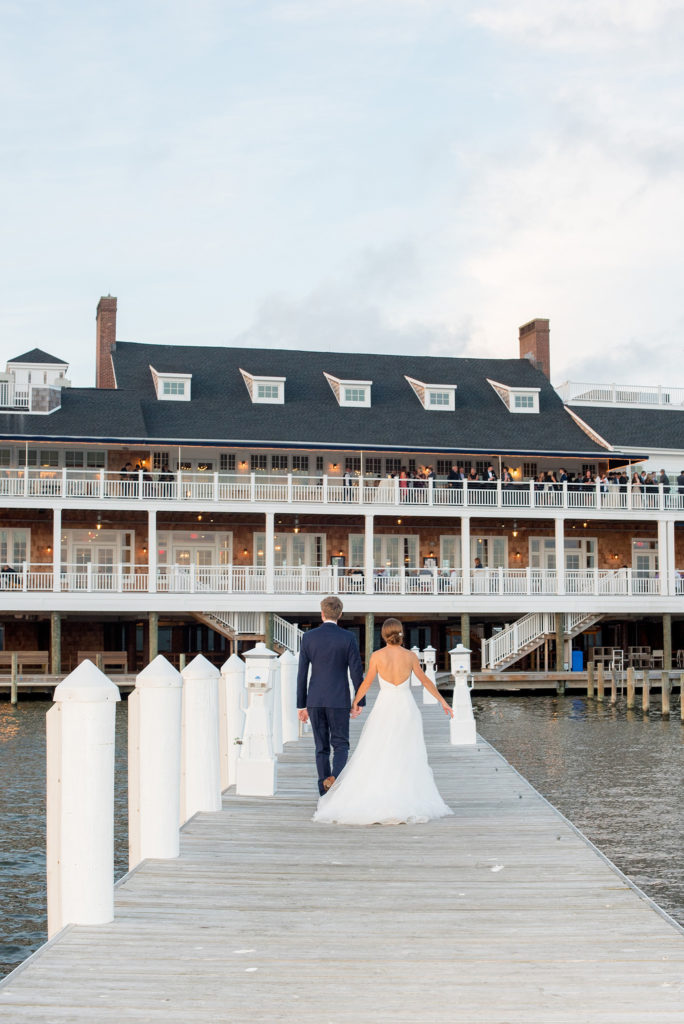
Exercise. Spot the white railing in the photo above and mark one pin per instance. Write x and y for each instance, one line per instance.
(239, 623)
(287, 634)
(293, 489)
(527, 632)
(621, 394)
(240, 579)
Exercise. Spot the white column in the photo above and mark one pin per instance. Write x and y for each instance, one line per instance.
(154, 755)
(200, 771)
(663, 559)
(289, 665)
(232, 699)
(257, 765)
(269, 552)
(671, 566)
(559, 523)
(56, 549)
(152, 550)
(368, 563)
(465, 553)
(80, 800)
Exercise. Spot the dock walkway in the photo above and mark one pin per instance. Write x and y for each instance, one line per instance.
(501, 913)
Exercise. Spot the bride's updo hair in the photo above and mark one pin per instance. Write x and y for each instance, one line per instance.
(392, 631)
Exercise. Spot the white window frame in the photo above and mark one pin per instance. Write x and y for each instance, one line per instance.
(424, 393)
(361, 389)
(284, 544)
(162, 380)
(253, 383)
(508, 395)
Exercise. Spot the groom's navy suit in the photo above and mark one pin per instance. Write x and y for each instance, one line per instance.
(333, 655)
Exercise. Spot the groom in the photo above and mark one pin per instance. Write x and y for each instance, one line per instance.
(331, 652)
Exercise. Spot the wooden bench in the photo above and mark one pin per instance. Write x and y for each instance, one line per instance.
(25, 660)
(106, 659)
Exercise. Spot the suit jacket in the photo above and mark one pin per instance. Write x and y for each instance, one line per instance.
(331, 652)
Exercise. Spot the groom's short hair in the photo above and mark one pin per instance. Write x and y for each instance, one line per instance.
(331, 607)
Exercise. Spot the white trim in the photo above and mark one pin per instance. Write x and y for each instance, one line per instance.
(509, 392)
(252, 383)
(423, 391)
(339, 385)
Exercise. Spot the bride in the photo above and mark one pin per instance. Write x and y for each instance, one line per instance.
(388, 781)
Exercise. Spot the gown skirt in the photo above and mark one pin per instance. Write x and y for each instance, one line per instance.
(388, 780)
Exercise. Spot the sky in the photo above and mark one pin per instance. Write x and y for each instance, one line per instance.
(409, 176)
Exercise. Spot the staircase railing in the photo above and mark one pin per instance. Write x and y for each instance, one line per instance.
(287, 634)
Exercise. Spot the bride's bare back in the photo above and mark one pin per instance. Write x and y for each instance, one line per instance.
(394, 663)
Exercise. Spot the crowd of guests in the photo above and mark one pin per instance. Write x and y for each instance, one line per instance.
(641, 483)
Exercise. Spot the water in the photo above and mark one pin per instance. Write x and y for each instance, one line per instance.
(23, 902)
(616, 774)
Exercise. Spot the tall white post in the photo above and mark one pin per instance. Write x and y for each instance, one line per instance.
(429, 658)
(269, 552)
(57, 549)
(465, 553)
(368, 560)
(257, 765)
(80, 799)
(289, 665)
(663, 559)
(276, 703)
(462, 730)
(154, 757)
(559, 523)
(152, 550)
(671, 566)
(415, 650)
(232, 698)
(200, 772)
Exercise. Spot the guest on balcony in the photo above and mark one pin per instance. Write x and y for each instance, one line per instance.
(680, 482)
(664, 479)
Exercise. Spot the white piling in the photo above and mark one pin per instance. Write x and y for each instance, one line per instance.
(462, 731)
(80, 799)
(276, 701)
(232, 700)
(200, 772)
(256, 767)
(154, 757)
(289, 666)
(429, 659)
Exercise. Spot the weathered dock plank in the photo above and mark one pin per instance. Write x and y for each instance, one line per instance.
(502, 913)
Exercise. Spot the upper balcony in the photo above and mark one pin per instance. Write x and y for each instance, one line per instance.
(26, 487)
(626, 395)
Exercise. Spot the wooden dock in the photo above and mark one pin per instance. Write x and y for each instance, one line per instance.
(501, 913)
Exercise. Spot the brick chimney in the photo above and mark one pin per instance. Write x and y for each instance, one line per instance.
(105, 342)
(534, 344)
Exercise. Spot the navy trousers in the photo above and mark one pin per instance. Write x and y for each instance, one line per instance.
(330, 728)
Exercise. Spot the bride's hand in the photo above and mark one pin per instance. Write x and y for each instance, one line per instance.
(449, 712)
(355, 711)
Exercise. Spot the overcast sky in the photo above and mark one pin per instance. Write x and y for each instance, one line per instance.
(377, 175)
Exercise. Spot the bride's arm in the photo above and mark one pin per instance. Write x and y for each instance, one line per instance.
(429, 685)
(366, 684)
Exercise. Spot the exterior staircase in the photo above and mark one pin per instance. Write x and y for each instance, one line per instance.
(528, 633)
(252, 625)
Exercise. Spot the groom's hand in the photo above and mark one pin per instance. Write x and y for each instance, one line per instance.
(303, 715)
(355, 711)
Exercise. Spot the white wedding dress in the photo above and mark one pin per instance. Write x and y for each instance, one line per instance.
(388, 780)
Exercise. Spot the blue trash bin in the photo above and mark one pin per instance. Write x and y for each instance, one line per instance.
(578, 661)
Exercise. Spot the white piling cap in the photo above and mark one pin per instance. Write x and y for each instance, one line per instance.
(159, 673)
(233, 664)
(199, 668)
(460, 649)
(428, 648)
(260, 651)
(288, 656)
(86, 685)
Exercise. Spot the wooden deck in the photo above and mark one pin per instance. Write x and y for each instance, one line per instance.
(502, 913)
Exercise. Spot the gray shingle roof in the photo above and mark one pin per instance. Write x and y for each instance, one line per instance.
(36, 355)
(221, 410)
(641, 428)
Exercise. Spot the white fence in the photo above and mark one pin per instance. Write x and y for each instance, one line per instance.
(295, 489)
(234, 579)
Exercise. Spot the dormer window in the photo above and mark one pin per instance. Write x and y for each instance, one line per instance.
(171, 387)
(434, 396)
(265, 390)
(517, 399)
(350, 392)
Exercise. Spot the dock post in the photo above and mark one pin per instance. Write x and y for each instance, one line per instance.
(257, 766)
(268, 630)
(55, 643)
(289, 665)
(231, 702)
(600, 682)
(14, 675)
(80, 799)
(465, 628)
(560, 688)
(153, 631)
(645, 691)
(630, 687)
(613, 685)
(560, 641)
(667, 642)
(181, 662)
(665, 690)
(590, 680)
(275, 699)
(429, 658)
(370, 636)
(154, 755)
(200, 788)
